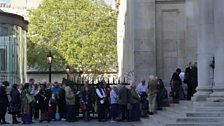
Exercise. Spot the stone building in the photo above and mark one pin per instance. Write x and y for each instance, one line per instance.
(157, 36)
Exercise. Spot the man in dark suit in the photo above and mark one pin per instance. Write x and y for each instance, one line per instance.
(4, 102)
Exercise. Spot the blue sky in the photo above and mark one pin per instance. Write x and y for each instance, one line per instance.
(4, 1)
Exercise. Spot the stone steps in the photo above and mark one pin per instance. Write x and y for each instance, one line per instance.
(209, 109)
(161, 120)
(195, 124)
(205, 114)
(209, 104)
(188, 113)
(200, 119)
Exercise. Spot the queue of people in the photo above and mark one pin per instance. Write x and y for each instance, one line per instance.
(53, 102)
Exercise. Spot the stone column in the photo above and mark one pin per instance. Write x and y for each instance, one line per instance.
(205, 48)
(144, 39)
(125, 40)
(121, 37)
(218, 89)
(191, 31)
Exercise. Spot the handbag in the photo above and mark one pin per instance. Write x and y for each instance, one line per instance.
(83, 106)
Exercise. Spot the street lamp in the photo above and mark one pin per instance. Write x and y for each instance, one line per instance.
(67, 71)
(49, 61)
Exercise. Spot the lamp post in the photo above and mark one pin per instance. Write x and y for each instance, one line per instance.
(49, 60)
(67, 71)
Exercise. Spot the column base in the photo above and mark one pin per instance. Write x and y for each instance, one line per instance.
(217, 95)
(202, 94)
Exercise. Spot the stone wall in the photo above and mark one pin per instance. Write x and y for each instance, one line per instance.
(160, 35)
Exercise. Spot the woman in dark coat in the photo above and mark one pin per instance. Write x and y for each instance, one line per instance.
(15, 103)
(176, 86)
(3, 102)
(43, 97)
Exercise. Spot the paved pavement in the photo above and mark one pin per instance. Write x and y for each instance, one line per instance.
(94, 122)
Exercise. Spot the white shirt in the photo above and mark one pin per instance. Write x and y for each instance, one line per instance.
(99, 94)
(181, 76)
(142, 88)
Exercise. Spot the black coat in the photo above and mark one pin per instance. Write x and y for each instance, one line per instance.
(15, 103)
(43, 98)
(4, 101)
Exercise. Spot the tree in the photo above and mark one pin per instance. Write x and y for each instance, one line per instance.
(81, 33)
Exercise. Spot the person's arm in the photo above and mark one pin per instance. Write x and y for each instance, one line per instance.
(99, 94)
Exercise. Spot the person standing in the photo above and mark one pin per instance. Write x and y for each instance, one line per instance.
(86, 102)
(101, 101)
(194, 78)
(43, 97)
(15, 103)
(175, 85)
(114, 104)
(123, 100)
(134, 112)
(187, 80)
(4, 102)
(70, 103)
(142, 90)
(153, 89)
(57, 102)
(27, 98)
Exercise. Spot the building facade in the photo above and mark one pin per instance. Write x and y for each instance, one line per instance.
(13, 30)
(157, 36)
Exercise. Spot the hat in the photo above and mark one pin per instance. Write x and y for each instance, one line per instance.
(6, 83)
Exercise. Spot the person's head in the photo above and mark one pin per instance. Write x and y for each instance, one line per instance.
(48, 85)
(20, 86)
(5, 83)
(143, 82)
(15, 86)
(101, 84)
(195, 64)
(36, 86)
(43, 86)
(178, 70)
(86, 87)
(133, 85)
(26, 86)
(151, 77)
(31, 81)
(56, 84)
(190, 64)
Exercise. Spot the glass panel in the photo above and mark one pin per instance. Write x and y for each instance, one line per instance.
(12, 54)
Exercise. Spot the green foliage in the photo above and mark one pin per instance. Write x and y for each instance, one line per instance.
(81, 33)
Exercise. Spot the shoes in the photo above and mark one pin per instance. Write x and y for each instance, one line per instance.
(151, 113)
(5, 122)
(16, 122)
(112, 121)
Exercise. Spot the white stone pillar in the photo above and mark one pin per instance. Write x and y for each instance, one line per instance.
(125, 40)
(191, 31)
(121, 37)
(205, 48)
(218, 89)
(144, 39)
